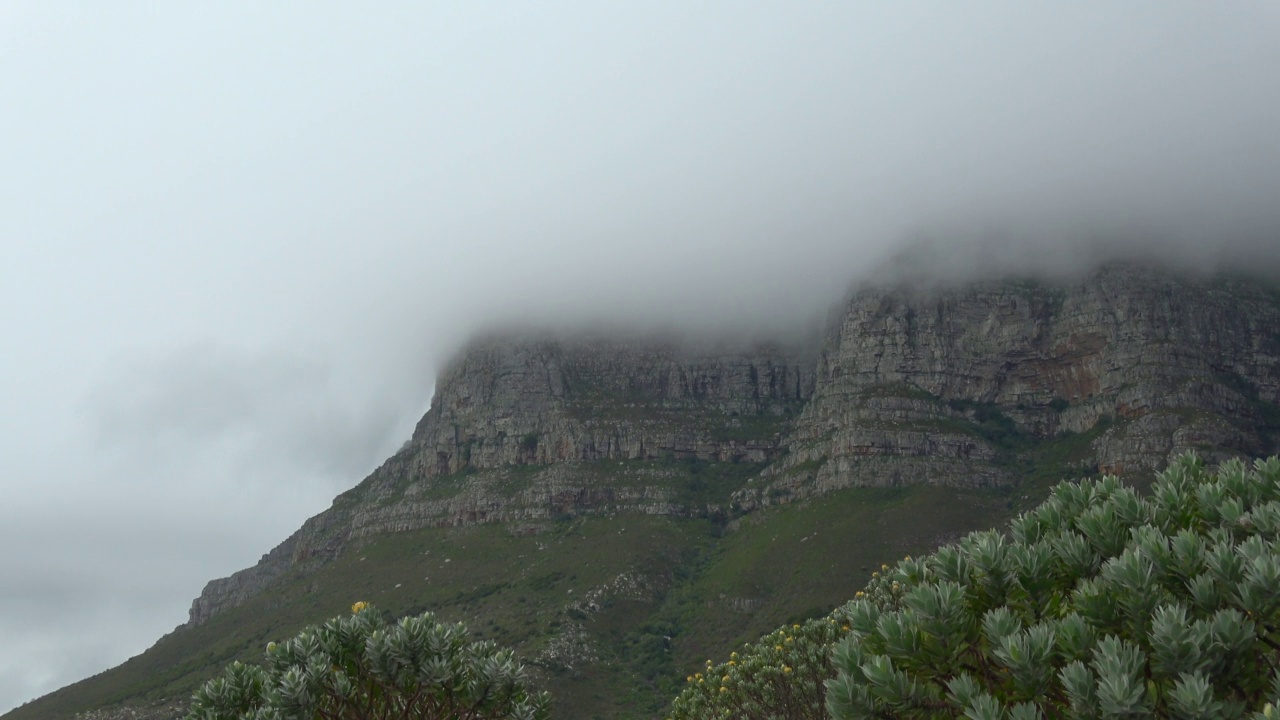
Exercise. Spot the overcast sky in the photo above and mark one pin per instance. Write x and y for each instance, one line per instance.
(238, 238)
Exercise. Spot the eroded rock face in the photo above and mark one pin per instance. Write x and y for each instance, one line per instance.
(547, 401)
(953, 386)
(533, 429)
(1180, 364)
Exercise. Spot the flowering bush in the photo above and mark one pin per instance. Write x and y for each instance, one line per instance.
(779, 677)
(358, 667)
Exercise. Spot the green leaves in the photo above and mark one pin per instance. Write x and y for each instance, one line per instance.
(1118, 666)
(1074, 557)
(1178, 645)
(1076, 638)
(1192, 698)
(1259, 592)
(1027, 656)
(1104, 529)
(1081, 688)
(945, 626)
(1099, 603)
(791, 672)
(238, 693)
(357, 666)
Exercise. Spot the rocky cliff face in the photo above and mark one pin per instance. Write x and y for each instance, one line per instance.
(552, 401)
(519, 430)
(964, 386)
(941, 385)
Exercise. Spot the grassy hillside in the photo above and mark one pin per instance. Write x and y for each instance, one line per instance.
(611, 611)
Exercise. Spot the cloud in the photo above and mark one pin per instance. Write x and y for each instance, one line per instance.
(251, 411)
(183, 467)
(248, 235)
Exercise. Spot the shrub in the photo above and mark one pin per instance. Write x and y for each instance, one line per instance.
(781, 676)
(1097, 604)
(359, 667)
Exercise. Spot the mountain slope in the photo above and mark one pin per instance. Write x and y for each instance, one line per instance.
(617, 508)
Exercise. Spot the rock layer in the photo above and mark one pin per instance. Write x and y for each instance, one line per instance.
(547, 401)
(1187, 364)
(951, 386)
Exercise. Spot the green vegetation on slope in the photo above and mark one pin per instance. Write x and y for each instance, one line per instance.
(611, 611)
(359, 666)
(1097, 603)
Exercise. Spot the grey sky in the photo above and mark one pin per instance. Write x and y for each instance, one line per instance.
(237, 239)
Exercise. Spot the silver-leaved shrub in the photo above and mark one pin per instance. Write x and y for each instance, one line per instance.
(1100, 603)
(359, 667)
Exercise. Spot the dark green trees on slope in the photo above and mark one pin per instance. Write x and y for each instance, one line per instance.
(358, 667)
(1097, 604)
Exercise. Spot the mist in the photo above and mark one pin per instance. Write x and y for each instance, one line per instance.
(241, 240)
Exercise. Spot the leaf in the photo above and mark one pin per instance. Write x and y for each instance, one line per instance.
(1192, 698)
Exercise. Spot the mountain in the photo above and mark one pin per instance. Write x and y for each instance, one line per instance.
(618, 508)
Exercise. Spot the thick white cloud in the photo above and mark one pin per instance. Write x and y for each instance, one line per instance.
(239, 239)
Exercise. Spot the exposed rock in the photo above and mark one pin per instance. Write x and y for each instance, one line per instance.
(949, 386)
(517, 431)
(1187, 364)
(545, 401)
(570, 649)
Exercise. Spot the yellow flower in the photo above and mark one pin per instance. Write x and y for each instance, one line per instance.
(724, 679)
(884, 567)
(724, 689)
(778, 648)
(698, 675)
(857, 595)
(786, 669)
(908, 558)
(795, 627)
(733, 662)
(689, 679)
(845, 628)
(271, 646)
(733, 654)
(359, 606)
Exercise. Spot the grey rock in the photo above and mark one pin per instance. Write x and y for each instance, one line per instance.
(944, 386)
(1184, 363)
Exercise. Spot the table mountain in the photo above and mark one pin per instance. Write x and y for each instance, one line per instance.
(921, 413)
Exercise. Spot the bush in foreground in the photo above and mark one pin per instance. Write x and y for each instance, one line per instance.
(358, 667)
(780, 676)
(1097, 604)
